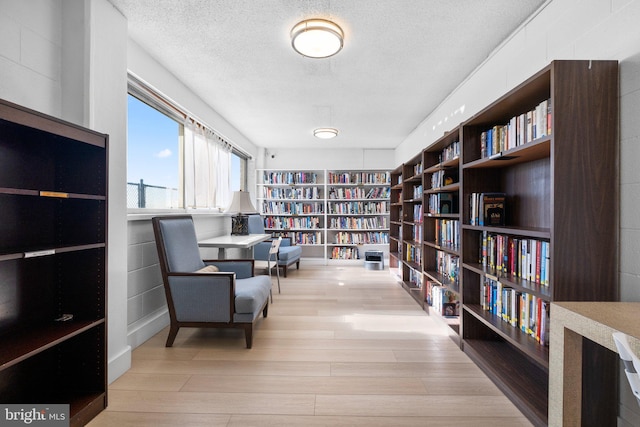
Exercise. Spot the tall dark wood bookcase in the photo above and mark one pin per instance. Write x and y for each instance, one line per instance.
(395, 224)
(441, 234)
(412, 217)
(53, 261)
(561, 188)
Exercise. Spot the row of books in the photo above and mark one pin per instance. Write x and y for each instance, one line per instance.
(362, 208)
(280, 222)
(399, 199)
(308, 193)
(358, 193)
(417, 213)
(307, 238)
(359, 177)
(450, 152)
(417, 169)
(344, 253)
(521, 129)
(292, 208)
(415, 278)
(412, 254)
(347, 222)
(441, 203)
(370, 237)
(416, 231)
(521, 310)
(519, 257)
(447, 232)
(443, 177)
(448, 265)
(417, 192)
(442, 300)
(487, 209)
(290, 177)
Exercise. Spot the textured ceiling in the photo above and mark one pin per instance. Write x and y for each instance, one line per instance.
(400, 60)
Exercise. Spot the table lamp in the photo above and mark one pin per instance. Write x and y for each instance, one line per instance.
(240, 205)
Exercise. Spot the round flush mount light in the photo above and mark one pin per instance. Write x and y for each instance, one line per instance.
(325, 133)
(317, 38)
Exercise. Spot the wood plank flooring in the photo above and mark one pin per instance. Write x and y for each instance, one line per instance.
(342, 346)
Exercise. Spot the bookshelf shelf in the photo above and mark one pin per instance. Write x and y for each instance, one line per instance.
(53, 256)
(330, 214)
(550, 145)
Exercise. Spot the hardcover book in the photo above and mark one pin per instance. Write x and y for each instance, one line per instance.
(493, 213)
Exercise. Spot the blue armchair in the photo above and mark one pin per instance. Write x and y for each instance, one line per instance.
(206, 294)
(288, 254)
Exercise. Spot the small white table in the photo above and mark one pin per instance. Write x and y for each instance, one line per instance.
(233, 241)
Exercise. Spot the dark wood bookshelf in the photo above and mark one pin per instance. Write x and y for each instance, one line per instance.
(435, 163)
(53, 261)
(395, 224)
(556, 187)
(561, 188)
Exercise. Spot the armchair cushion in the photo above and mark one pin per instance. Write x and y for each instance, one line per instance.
(250, 296)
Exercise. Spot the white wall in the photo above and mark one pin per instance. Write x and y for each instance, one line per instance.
(327, 159)
(31, 54)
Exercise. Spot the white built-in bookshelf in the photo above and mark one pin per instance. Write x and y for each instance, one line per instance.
(334, 215)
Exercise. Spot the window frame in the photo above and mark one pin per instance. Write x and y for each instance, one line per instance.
(147, 95)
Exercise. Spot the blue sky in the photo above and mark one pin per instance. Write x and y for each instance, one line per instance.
(152, 146)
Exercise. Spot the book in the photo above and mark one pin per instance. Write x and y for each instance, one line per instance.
(493, 209)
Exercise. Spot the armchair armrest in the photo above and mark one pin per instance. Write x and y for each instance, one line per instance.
(202, 297)
(243, 268)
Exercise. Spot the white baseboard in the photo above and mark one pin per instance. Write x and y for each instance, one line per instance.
(119, 364)
(144, 329)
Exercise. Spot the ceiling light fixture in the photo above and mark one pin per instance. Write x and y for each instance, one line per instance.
(317, 38)
(325, 133)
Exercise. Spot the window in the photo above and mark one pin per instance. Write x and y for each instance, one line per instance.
(153, 158)
(173, 161)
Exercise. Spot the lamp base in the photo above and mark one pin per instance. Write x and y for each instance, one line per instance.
(239, 225)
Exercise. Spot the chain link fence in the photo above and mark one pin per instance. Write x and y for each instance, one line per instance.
(141, 195)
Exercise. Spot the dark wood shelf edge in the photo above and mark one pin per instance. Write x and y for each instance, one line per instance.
(443, 281)
(25, 344)
(444, 248)
(20, 254)
(540, 233)
(61, 194)
(527, 345)
(536, 289)
(527, 394)
(83, 408)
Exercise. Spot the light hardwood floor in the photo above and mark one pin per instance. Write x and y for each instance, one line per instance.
(341, 346)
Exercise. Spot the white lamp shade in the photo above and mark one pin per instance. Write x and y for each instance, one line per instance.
(241, 203)
(317, 38)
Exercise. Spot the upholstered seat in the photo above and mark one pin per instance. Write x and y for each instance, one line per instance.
(288, 254)
(202, 297)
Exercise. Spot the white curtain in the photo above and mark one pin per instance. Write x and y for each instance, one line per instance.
(207, 168)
